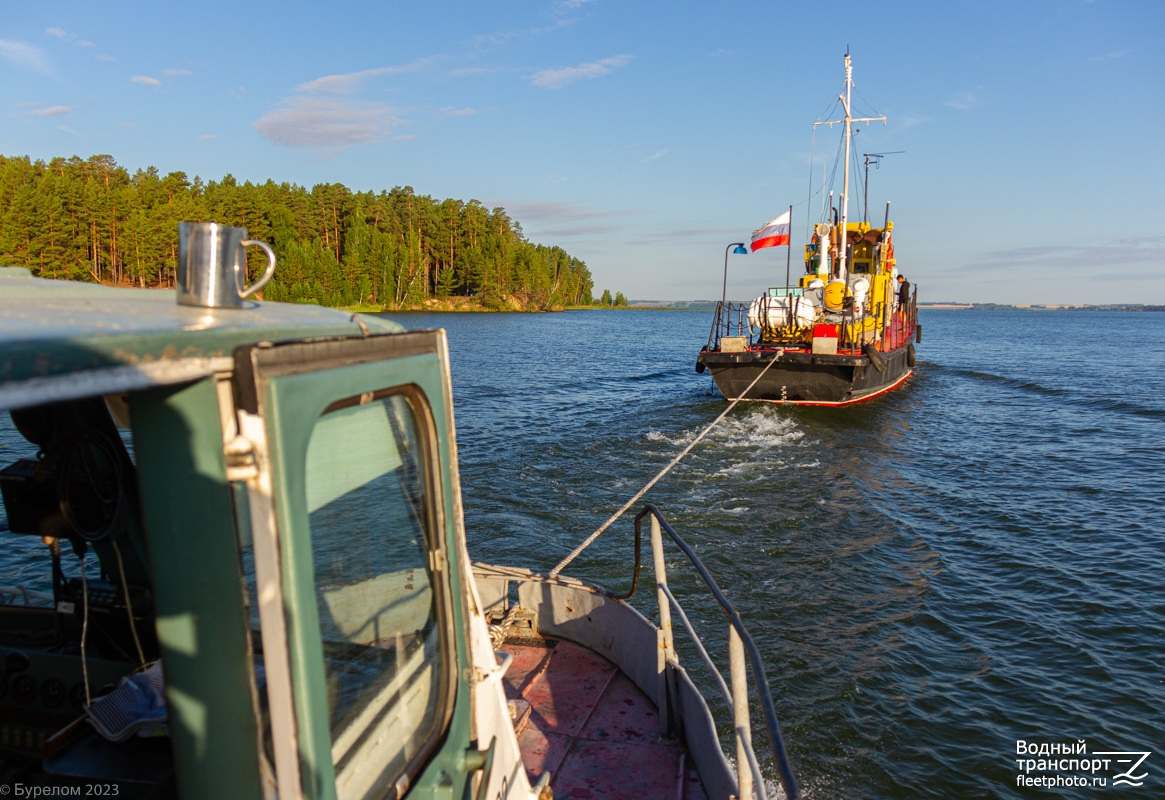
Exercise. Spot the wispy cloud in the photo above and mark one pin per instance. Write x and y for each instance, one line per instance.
(657, 155)
(347, 83)
(71, 38)
(966, 101)
(1115, 55)
(560, 221)
(910, 120)
(146, 80)
(25, 56)
(52, 111)
(564, 76)
(322, 114)
(177, 73)
(471, 72)
(326, 123)
(563, 14)
(1142, 250)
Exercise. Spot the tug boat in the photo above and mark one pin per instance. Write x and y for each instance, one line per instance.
(236, 566)
(843, 334)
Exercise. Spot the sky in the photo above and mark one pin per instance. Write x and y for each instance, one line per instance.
(1021, 139)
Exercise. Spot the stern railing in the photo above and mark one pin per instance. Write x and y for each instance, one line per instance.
(729, 319)
(742, 655)
(887, 326)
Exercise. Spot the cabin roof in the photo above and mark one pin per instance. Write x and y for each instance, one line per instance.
(105, 339)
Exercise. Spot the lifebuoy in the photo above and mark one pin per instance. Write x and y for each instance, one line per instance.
(875, 357)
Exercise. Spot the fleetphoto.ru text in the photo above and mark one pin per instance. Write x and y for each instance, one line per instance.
(1052, 765)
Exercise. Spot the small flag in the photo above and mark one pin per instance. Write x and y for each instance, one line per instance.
(772, 234)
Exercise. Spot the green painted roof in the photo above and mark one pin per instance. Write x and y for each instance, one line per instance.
(62, 338)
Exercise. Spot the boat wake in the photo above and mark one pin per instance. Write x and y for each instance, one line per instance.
(760, 428)
(1100, 402)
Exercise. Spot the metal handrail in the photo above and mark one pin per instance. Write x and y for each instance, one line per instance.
(740, 645)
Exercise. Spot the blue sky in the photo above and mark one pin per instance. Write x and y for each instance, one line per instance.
(643, 137)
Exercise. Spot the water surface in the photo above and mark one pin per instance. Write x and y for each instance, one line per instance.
(969, 561)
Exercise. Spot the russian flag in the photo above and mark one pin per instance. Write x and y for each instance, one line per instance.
(772, 234)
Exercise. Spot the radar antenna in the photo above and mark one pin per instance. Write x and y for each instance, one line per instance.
(877, 159)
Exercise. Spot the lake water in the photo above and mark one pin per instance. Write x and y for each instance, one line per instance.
(970, 561)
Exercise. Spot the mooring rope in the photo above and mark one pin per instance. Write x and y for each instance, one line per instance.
(587, 542)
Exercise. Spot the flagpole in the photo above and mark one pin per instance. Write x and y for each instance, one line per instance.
(788, 267)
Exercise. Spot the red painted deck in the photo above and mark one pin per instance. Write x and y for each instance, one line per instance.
(582, 720)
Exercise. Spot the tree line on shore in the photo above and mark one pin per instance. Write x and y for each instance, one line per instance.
(91, 220)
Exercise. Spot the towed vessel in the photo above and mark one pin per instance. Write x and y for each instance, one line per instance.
(842, 333)
(236, 566)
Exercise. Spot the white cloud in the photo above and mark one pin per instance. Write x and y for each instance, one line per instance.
(52, 111)
(326, 123)
(24, 56)
(177, 73)
(558, 78)
(348, 82)
(146, 80)
(71, 38)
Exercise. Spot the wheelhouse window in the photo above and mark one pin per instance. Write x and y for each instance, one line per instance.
(379, 601)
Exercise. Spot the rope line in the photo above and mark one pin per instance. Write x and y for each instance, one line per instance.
(587, 542)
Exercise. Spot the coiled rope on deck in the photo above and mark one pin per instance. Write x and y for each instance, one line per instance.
(587, 542)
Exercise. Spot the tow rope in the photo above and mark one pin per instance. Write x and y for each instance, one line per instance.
(587, 542)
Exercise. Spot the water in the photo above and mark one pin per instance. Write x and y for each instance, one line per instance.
(968, 561)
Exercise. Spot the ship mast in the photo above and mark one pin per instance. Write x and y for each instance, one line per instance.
(843, 244)
(848, 121)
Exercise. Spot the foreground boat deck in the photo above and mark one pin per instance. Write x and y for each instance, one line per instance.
(580, 719)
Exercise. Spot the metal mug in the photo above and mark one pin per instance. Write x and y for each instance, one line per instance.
(211, 262)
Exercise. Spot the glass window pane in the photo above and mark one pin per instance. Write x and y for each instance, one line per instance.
(366, 496)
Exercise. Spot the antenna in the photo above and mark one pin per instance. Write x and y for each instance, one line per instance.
(877, 159)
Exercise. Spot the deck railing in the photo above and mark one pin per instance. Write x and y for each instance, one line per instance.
(742, 655)
(895, 322)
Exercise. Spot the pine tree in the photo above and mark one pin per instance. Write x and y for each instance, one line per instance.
(89, 219)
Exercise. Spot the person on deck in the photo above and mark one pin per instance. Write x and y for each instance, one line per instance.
(903, 291)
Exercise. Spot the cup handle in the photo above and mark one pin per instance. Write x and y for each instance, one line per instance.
(266, 276)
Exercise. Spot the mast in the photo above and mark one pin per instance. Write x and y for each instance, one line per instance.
(848, 122)
(843, 245)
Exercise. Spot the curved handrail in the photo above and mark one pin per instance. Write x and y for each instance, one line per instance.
(772, 725)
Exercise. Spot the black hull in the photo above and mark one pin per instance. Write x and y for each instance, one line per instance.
(805, 378)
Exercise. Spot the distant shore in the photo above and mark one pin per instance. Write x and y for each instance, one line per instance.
(711, 304)
(513, 303)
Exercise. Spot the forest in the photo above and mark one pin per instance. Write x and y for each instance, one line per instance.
(91, 220)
